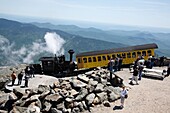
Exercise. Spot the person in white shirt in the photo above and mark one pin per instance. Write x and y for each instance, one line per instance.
(123, 94)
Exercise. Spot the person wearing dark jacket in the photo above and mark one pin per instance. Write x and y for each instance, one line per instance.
(135, 76)
(20, 75)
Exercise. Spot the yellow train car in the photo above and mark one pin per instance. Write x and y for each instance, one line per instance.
(101, 58)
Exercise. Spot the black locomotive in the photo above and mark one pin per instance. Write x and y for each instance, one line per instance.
(55, 65)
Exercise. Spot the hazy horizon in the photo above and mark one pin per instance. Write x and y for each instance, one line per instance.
(149, 13)
(84, 24)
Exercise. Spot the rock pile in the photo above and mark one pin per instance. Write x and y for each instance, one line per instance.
(66, 95)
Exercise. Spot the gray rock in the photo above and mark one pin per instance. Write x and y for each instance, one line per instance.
(99, 88)
(92, 82)
(76, 110)
(84, 105)
(54, 98)
(47, 106)
(3, 99)
(54, 110)
(44, 94)
(33, 108)
(117, 90)
(89, 73)
(80, 106)
(77, 84)
(82, 94)
(102, 96)
(83, 78)
(96, 100)
(73, 92)
(112, 97)
(90, 88)
(110, 89)
(90, 98)
(43, 88)
(70, 100)
(18, 92)
(60, 106)
(33, 91)
(106, 104)
(3, 82)
(56, 84)
(19, 109)
(28, 101)
(64, 93)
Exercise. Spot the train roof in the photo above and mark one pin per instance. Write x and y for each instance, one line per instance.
(123, 49)
(46, 58)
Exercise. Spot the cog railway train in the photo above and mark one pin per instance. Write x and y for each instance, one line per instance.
(87, 60)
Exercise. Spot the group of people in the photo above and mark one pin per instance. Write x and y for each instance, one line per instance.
(115, 64)
(27, 73)
(137, 73)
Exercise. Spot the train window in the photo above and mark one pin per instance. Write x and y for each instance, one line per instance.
(94, 59)
(79, 60)
(113, 56)
(139, 53)
(104, 58)
(149, 52)
(89, 59)
(123, 55)
(108, 57)
(143, 53)
(99, 58)
(118, 55)
(134, 55)
(128, 55)
(85, 60)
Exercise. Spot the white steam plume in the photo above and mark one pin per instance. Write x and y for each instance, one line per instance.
(54, 43)
(26, 54)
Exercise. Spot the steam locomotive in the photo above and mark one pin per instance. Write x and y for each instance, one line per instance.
(55, 65)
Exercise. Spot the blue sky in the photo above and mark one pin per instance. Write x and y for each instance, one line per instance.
(154, 13)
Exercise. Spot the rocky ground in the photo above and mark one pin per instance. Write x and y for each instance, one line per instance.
(150, 96)
(89, 92)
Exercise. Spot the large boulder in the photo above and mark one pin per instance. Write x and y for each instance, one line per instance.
(54, 110)
(43, 88)
(54, 98)
(77, 84)
(102, 96)
(90, 98)
(99, 88)
(83, 78)
(82, 94)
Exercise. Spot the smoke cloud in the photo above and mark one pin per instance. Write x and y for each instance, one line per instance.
(54, 42)
(27, 53)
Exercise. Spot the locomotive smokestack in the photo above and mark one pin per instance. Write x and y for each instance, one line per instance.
(71, 52)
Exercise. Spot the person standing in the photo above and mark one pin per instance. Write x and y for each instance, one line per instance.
(26, 80)
(161, 61)
(120, 63)
(110, 67)
(13, 76)
(116, 64)
(141, 67)
(32, 69)
(123, 95)
(135, 76)
(20, 75)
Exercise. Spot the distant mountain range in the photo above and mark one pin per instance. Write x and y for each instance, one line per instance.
(23, 42)
(117, 36)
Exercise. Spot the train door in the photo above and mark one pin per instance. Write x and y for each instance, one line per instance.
(79, 63)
